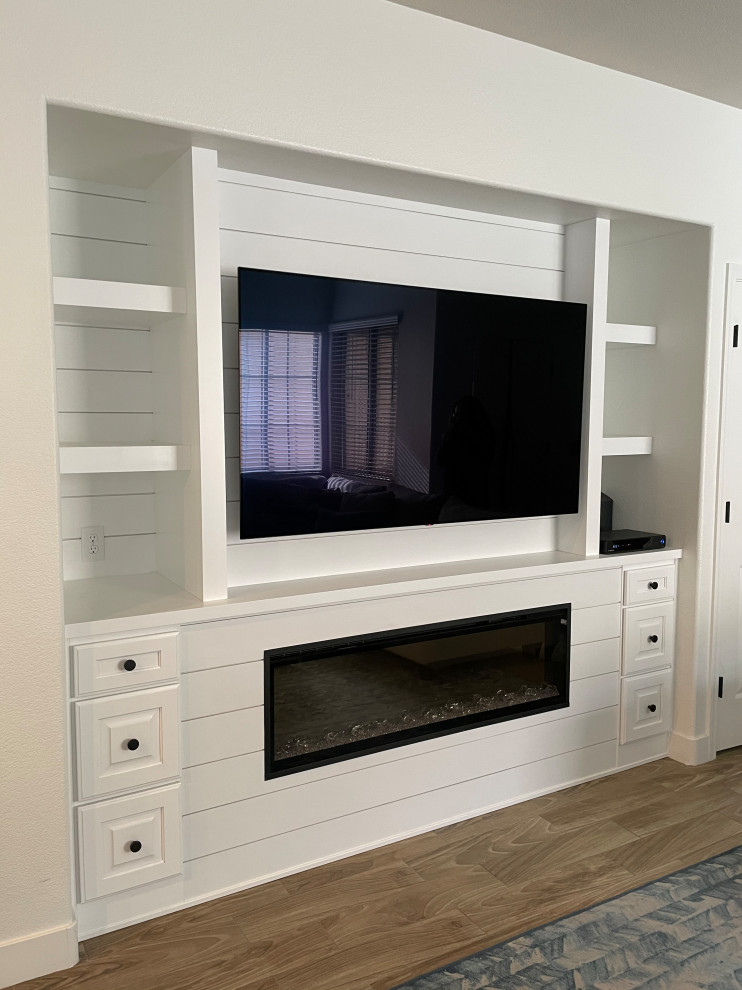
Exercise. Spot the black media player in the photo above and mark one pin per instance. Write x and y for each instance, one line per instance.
(630, 540)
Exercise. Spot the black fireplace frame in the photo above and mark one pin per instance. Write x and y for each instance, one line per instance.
(396, 637)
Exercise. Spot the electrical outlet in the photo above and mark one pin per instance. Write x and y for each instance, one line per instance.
(93, 543)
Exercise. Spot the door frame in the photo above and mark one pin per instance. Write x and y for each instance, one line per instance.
(733, 276)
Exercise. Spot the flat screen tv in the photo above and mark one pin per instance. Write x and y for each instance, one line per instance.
(366, 405)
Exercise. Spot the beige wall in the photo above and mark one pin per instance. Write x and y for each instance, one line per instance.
(395, 86)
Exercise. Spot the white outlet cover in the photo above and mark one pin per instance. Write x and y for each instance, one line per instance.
(93, 544)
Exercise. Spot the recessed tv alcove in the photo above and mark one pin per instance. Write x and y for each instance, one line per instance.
(342, 698)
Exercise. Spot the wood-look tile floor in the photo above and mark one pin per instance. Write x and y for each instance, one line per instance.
(377, 919)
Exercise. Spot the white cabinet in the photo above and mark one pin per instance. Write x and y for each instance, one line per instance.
(647, 652)
(648, 637)
(649, 584)
(128, 841)
(130, 740)
(116, 665)
(646, 705)
(126, 740)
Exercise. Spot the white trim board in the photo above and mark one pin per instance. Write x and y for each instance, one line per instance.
(37, 955)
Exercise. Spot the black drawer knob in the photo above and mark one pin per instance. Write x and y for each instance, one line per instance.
(130, 664)
(132, 744)
(652, 639)
(652, 708)
(135, 845)
(653, 585)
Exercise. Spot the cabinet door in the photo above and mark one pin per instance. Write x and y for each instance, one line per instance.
(128, 841)
(129, 740)
(646, 705)
(648, 637)
(124, 664)
(649, 584)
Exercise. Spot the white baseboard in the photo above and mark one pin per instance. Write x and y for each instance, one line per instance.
(36, 955)
(690, 750)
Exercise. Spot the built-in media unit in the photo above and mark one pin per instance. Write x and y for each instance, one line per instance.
(366, 405)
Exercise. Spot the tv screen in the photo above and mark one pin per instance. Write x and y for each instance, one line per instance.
(366, 405)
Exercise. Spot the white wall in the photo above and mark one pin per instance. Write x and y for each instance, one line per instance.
(450, 100)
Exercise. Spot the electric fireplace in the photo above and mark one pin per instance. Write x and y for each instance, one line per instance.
(338, 699)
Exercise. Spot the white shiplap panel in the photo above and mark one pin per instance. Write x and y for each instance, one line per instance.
(120, 515)
(232, 467)
(81, 257)
(230, 345)
(599, 622)
(102, 348)
(124, 555)
(106, 484)
(231, 391)
(225, 689)
(232, 434)
(242, 777)
(97, 188)
(105, 428)
(104, 391)
(229, 298)
(222, 737)
(592, 659)
(233, 521)
(297, 849)
(589, 694)
(324, 219)
(237, 641)
(206, 645)
(102, 217)
(210, 831)
(395, 267)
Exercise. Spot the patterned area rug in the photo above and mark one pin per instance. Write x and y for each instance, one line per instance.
(678, 933)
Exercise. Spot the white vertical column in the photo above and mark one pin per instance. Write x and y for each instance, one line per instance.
(208, 311)
(586, 281)
(188, 384)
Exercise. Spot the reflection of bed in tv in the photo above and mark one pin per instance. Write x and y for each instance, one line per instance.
(286, 506)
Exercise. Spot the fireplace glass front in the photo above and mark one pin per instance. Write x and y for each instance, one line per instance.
(335, 700)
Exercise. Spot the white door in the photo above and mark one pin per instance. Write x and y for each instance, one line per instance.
(728, 597)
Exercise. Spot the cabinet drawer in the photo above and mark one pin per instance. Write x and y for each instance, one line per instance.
(648, 584)
(646, 705)
(128, 841)
(130, 740)
(123, 664)
(648, 637)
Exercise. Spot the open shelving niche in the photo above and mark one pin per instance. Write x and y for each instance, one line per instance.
(139, 379)
(185, 559)
(620, 335)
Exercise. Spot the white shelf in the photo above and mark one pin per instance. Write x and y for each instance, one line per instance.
(625, 446)
(132, 304)
(629, 335)
(112, 458)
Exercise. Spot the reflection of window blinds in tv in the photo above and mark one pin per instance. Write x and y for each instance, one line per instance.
(280, 425)
(363, 397)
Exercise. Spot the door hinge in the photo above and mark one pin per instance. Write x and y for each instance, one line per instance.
(727, 511)
(721, 687)
(735, 338)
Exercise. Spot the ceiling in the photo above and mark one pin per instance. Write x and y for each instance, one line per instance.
(692, 45)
